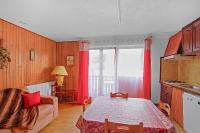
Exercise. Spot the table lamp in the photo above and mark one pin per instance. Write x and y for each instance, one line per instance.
(60, 72)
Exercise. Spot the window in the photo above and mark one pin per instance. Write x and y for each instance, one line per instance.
(111, 70)
(130, 62)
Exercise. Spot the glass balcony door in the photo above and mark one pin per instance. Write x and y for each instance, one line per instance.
(112, 70)
(130, 71)
(101, 72)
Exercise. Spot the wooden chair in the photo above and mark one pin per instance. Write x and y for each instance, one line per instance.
(86, 102)
(165, 107)
(123, 128)
(119, 94)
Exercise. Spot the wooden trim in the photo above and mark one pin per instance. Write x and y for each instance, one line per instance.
(118, 94)
(161, 58)
(66, 41)
(86, 102)
(191, 23)
(123, 128)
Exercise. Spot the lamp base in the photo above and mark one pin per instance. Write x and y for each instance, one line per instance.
(59, 80)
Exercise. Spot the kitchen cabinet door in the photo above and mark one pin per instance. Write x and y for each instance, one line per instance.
(166, 93)
(174, 44)
(177, 106)
(187, 39)
(196, 36)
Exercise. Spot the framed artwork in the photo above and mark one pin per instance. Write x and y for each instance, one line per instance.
(32, 54)
(70, 60)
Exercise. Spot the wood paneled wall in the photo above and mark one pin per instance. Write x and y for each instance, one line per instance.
(183, 70)
(169, 70)
(21, 71)
(63, 50)
(189, 70)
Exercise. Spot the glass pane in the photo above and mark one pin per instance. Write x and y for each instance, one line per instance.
(94, 62)
(130, 70)
(108, 67)
(130, 62)
(94, 72)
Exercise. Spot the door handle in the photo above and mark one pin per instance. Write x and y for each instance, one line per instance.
(198, 103)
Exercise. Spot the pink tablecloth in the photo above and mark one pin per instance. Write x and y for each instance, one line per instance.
(128, 111)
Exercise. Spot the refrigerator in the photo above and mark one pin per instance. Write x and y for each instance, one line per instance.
(191, 113)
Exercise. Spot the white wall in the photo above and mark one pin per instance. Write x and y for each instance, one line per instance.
(158, 48)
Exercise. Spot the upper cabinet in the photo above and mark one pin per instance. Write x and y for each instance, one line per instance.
(196, 36)
(185, 43)
(174, 43)
(191, 38)
(187, 39)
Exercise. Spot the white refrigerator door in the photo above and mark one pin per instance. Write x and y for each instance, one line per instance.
(191, 113)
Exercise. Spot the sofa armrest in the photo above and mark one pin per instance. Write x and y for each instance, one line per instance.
(51, 100)
(48, 99)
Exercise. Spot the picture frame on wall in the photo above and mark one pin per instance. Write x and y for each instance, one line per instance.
(70, 60)
(32, 54)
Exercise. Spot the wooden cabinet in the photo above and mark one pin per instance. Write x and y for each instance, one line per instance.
(166, 93)
(196, 36)
(173, 46)
(187, 39)
(191, 38)
(177, 106)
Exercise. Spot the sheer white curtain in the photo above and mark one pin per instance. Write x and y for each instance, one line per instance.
(130, 71)
(116, 64)
(112, 70)
(102, 72)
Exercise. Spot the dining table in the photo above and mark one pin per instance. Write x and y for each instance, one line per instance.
(129, 111)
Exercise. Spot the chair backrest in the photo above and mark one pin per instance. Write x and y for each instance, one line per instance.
(86, 102)
(165, 107)
(119, 94)
(123, 128)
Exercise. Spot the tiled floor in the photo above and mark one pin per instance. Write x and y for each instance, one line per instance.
(68, 115)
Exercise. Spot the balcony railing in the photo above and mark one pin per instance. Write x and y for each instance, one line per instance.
(128, 84)
(107, 83)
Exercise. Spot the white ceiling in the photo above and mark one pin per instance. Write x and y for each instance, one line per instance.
(63, 20)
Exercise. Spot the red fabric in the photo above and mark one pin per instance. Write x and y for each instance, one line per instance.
(146, 91)
(128, 111)
(31, 99)
(83, 76)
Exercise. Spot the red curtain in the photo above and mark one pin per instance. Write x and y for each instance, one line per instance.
(83, 72)
(147, 69)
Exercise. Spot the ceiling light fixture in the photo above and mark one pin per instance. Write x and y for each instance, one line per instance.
(119, 11)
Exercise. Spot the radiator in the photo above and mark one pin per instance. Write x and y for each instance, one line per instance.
(44, 88)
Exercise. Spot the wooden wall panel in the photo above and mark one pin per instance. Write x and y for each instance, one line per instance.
(63, 50)
(1, 72)
(1, 28)
(189, 70)
(21, 71)
(169, 70)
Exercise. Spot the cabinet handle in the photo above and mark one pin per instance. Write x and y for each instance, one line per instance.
(199, 103)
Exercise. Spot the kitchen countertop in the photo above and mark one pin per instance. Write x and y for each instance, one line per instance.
(184, 86)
